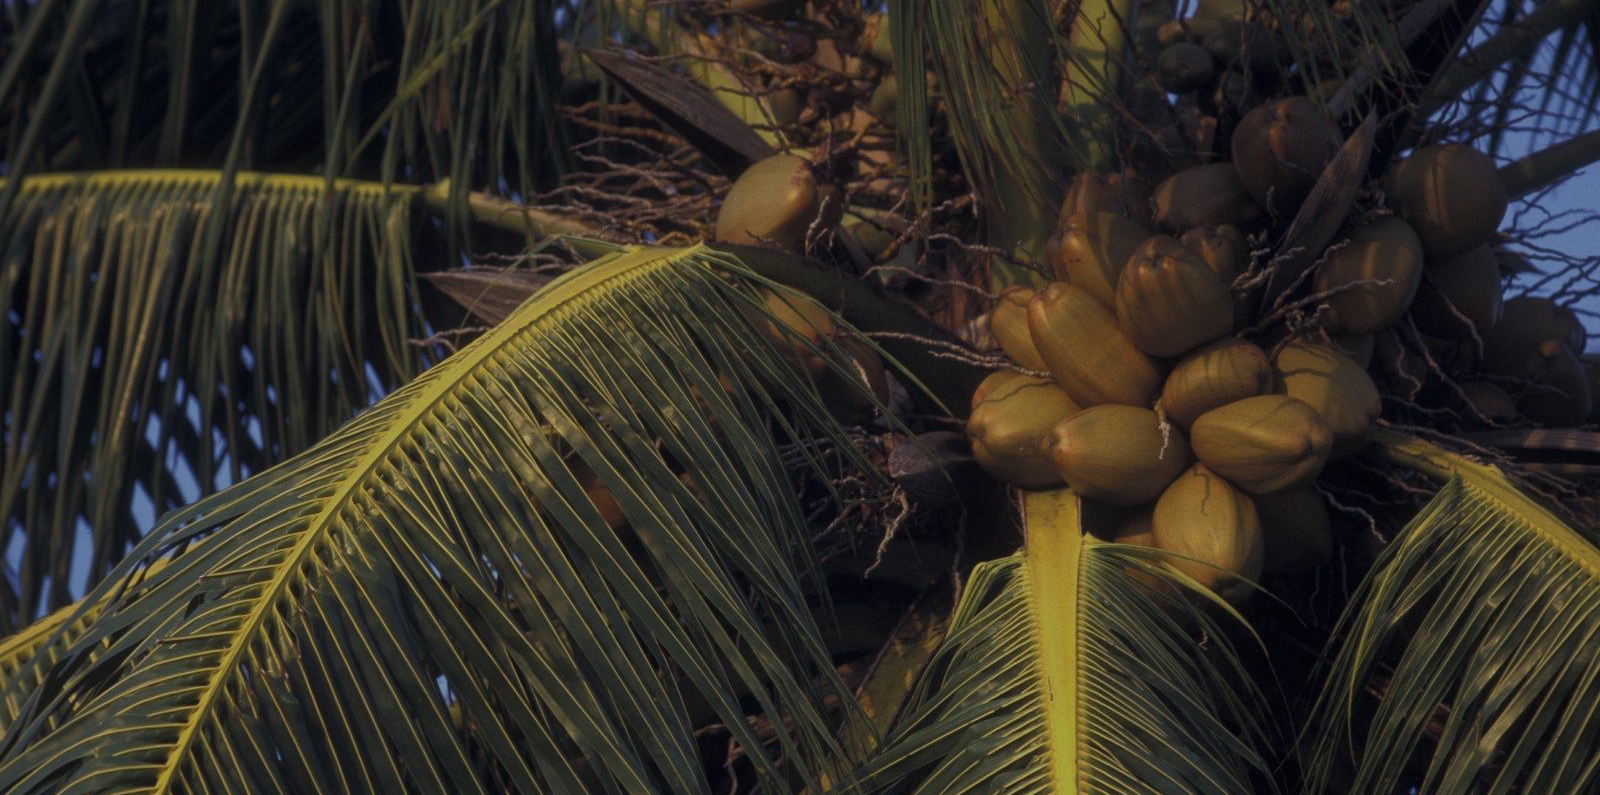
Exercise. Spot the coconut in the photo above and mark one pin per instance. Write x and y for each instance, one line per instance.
(1558, 390)
(1451, 194)
(1489, 404)
(885, 100)
(1212, 376)
(1460, 296)
(1334, 384)
(1093, 193)
(1213, 532)
(1297, 531)
(772, 203)
(1223, 248)
(1371, 278)
(1119, 455)
(1204, 195)
(1011, 419)
(854, 392)
(1092, 249)
(1280, 149)
(1265, 445)
(1086, 351)
(1183, 67)
(1008, 322)
(1172, 32)
(1356, 346)
(1169, 300)
(1526, 321)
(785, 104)
(797, 327)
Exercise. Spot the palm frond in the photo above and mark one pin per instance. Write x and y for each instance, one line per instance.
(1061, 675)
(1478, 626)
(432, 598)
(991, 59)
(383, 89)
(162, 335)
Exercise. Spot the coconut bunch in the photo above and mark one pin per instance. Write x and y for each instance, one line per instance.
(1151, 377)
(1132, 388)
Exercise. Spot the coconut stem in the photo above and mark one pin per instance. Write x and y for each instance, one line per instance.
(1547, 165)
(1020, 53)
(1097, 45)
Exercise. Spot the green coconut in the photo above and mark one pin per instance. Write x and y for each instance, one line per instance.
(1334, 384)
(773, 203)
(1092, 249)
(1213, 376)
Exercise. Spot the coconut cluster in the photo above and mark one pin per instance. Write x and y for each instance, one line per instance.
(1150, 379)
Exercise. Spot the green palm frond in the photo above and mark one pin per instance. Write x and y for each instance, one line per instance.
(383, 89)
(1061, 675)
(1478, 625)
(431, 599)
(163, 334)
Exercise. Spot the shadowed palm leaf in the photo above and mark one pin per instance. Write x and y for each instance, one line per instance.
(1481, 622)
(165, 333)
(431, 599)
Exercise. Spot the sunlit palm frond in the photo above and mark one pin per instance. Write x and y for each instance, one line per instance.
(432, 599)
(162, 336)
(1062, 674)
(1479, 628)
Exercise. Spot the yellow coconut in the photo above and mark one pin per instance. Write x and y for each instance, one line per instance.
(1008, 322)
(1094, 193)
(1205, 195)
(1451, 194)
(1223, 248)
(1212, 376)
(1336, 386)
(772, 203)
(1265, 445)
(1119, 455)
(1010, 425)
(1371, 278)
(1212, 530)
(799, 328)
(1280, 149)
(1086, 351)
(1169, 301)
(1091, 250)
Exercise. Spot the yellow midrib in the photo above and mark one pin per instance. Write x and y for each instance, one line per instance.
(1492, 484)
(441, 381)
(242, 179)
(1053, 556)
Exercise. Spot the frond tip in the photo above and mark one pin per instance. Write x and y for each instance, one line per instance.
(536, 568)
(1062, 674)
(1481, 621)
